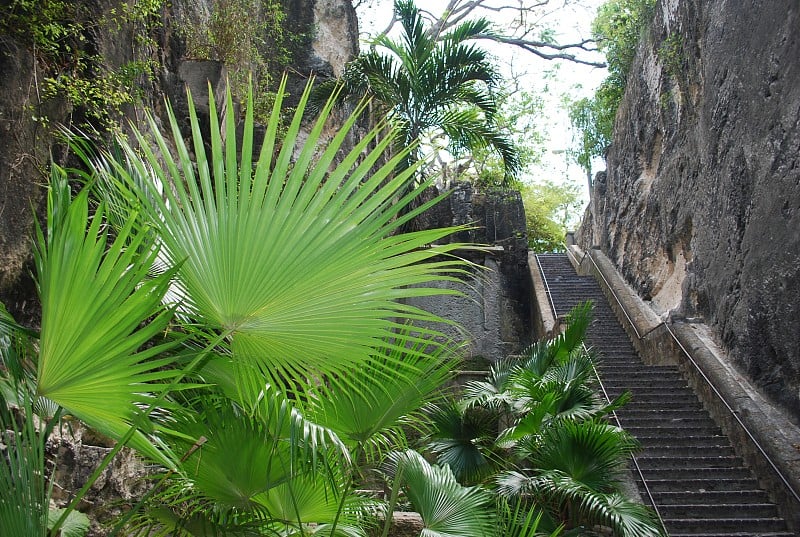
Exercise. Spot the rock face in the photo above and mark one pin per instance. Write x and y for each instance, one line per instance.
(700, 206)
(495, 308)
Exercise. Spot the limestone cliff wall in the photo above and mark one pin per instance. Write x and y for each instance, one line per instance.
(700, 205)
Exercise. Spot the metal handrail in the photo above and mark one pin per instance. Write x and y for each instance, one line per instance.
(630, 321)
(719, 395)
(608, 400)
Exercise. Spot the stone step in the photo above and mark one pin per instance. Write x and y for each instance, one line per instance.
(684, 451)
(715, 526)
(675, 387)
(710, 497)
(719, 510)
(666, 415)
(667, 429)
(632, 418)
(689, 462)
(737, 534)
(735, 472)
(678, 440)
(701, 485)
(648, 403)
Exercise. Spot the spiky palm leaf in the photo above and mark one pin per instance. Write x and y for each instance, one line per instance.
(293, 256)
(578, 506)
(384, 395)
(462, 438)
(23, 493)
(575, 472)
(95, 297)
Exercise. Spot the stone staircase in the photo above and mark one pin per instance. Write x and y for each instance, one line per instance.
(698, 484)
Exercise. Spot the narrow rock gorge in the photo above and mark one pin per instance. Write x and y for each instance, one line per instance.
(700, 205)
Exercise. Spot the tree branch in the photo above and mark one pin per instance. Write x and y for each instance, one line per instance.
(540, 48)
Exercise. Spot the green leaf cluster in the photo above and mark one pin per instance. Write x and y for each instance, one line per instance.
(234, 312)
(436, 88)
(535, 430)
(549, 209)
(59, 33)
(253, 39)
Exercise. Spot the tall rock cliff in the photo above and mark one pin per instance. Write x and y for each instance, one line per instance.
(700, 205)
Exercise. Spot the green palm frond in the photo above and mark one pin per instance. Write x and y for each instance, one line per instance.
(520, 518)
(24, 494)
(447, 508)
(592, 452)
(95, 297)
(421, 79)
(382, 396)
(276, 442)
(311, 500)
(583, 506)
(291, 254)
(462, 438)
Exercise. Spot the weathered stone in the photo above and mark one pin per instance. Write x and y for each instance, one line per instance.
(700, 209)
(495, 307)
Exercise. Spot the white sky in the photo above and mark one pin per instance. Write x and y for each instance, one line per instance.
(570, 24)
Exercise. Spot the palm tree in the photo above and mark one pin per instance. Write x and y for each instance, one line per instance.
(432, 86)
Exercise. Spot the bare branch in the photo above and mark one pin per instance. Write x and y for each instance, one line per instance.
(541, 48)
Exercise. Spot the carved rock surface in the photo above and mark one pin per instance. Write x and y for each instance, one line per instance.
(495, 308)
(700, 209)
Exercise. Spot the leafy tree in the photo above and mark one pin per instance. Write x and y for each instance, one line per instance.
(618, 28)
(549, 209)
(521, 26)
(518, 114)
(433, 87)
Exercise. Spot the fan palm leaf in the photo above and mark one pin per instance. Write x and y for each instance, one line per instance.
(462, 438)
(383, 395)
(447, 508)
(293, 254)
(95, 298)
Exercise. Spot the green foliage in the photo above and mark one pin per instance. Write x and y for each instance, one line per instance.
(252, 39)
(58, 33)
(49, 27)
(549, 209)
(560, 458)
(670, 54)
(447, 508)
(517, 114)
(438, 89)
(618, 28)
(249, 311)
